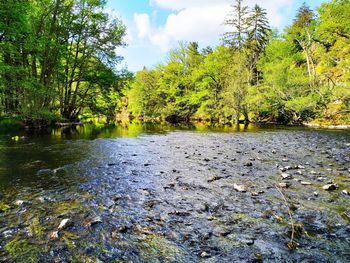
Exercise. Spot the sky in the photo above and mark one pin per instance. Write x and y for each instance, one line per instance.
(156, 26)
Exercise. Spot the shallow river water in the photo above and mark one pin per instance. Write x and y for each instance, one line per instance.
(150, 193)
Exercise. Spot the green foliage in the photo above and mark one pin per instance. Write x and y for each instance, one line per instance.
(56, 57)
(288, 78)
(57, 62)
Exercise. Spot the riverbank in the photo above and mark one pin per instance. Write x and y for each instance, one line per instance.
(17, 123)
(327, 126)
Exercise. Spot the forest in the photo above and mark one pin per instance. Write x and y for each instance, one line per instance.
(58, 63)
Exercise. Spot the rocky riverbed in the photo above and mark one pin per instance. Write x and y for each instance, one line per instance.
(268, 195)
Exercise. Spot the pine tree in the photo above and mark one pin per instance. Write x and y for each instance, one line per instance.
(258, 38)
(238, 20)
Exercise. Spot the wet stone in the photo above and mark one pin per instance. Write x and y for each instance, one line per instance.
(305, 183)
(286, 176)
(63, 224)
(93, 221)
(239, 188)
(283, 185)
(19, 202)
(54, 235)
(123, 229)
(205, 254)
(330, 187)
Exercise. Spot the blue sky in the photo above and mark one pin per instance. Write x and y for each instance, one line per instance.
(156, 26)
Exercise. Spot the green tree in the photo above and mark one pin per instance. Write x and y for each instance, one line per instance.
(302, 32)
(14, 34)
(238, 21)
(258, 38)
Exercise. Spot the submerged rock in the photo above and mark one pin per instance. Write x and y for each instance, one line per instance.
(286, 176)
(239, 188)
(345, 192)
(19, 202)
(283, 185)
(53, 235)
(205, 254)
(63, 224)
(330, 187)
(41, 199)
(93, 221)
(305, 183)
(214, 178)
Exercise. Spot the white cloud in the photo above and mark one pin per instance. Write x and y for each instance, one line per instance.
(182, 4)
(143, 25)
(197, 20)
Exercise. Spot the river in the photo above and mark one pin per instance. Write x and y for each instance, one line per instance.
(153, 193)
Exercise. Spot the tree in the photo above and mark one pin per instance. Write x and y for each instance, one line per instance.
(14, 34)
(143, 96)
(92, 38)
(238, 21)
(258, 38)
(48, 50)
(302, 32)
(236, 88)
(210, 78)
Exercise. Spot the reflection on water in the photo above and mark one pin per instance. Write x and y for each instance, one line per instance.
(41, 158)
(146, 192)
(27, 156)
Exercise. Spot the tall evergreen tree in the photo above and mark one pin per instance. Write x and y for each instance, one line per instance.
(258, 38)
(238, 21)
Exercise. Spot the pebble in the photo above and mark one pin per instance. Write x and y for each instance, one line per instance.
(315, 194)
(249, 242)
(239, 188)
(205, 254)
(19, 202)
(329, 187)
(283, 185)
(93, 221)
(286, 176)
(41, 199)
(123, 229)
(53, 235)
(345, 192)
(63, 223)
(306, 183)
(321, 179)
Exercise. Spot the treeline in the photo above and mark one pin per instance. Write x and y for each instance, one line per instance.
(257, 74)
(57, 60)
